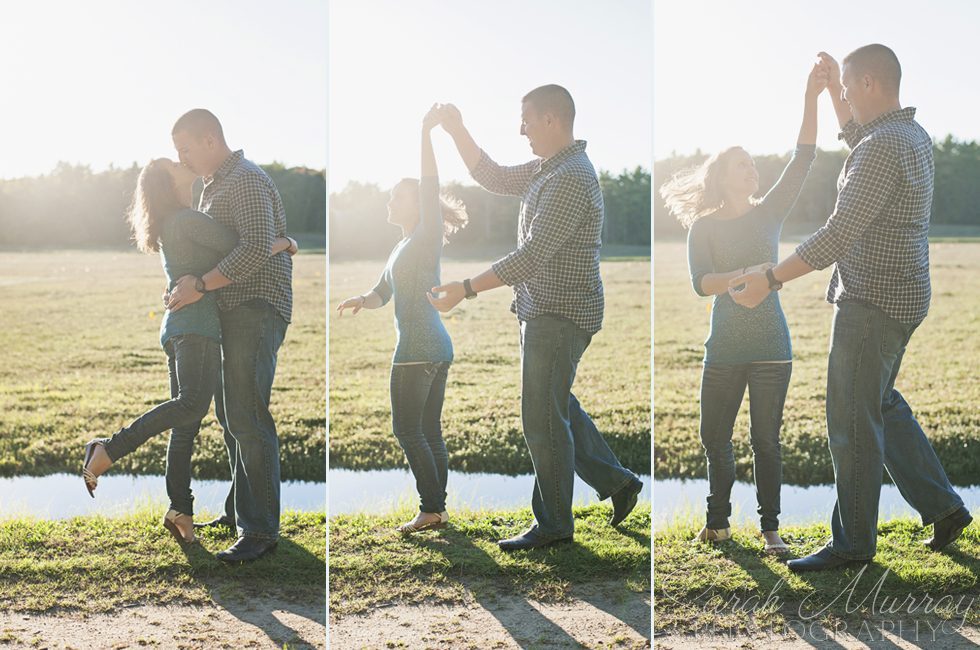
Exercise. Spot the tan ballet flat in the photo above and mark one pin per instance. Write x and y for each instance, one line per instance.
(170, 521)
(91, 479)
(713, 535)
(414, 527)
(775, 548)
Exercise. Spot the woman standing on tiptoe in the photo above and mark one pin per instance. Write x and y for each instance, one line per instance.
(424, 350)
(730, 232)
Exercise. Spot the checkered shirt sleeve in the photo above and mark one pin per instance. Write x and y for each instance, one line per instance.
(499, 179)
(563, 204)
(867, 186)
(252, 207)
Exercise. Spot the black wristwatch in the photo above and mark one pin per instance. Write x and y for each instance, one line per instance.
(468, 288)
(774, 284)
(199, 285)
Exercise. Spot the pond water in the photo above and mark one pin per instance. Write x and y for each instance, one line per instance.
(385, 490)
(59, 496)
(684, 498)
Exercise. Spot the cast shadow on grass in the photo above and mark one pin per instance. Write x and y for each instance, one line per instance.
(867, 601)
(505, 584)
(256, 591)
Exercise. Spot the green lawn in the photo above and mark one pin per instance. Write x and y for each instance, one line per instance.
(481, 417)
(81, 358)
(736, 586)
(372, 565)
(98, 564)
(938, 374)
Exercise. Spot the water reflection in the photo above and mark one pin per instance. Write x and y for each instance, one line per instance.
(800, 505)
(384, 490)
(60, 496)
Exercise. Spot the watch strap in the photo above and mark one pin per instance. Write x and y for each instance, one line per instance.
(774, 284)
(468, 288)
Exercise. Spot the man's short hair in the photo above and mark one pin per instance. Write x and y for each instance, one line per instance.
(199, 122)
(553, 99)
(878, 61)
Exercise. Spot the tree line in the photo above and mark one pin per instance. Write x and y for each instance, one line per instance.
(358, 217)
(956, 199)
(75, 207)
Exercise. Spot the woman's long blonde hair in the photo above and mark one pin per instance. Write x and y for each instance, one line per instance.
(154, 200)
(696, 191)
(454, 217)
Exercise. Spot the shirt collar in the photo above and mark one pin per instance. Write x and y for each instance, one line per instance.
(906, 114)
(229, 164)
(577, 146)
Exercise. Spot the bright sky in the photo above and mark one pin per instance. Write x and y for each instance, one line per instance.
(730, 73)
(390, 60)
(102, 81)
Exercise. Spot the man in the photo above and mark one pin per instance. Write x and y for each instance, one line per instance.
(254, 292)
(558, 300)
(878, 238)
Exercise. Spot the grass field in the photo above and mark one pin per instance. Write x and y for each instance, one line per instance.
(81, 358)
(372, 565)
(99, 564)
(735, 586)
(938, 375)
(481, 417)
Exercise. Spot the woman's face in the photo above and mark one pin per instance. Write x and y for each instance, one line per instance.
(741, 180)
(182, 175)
(403, 205)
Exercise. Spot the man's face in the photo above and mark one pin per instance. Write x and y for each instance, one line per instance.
(196, 154)
(533, 127)
(854, 92)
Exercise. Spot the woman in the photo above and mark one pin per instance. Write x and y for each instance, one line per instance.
(729, 233)
(189, 243)
(424, 350)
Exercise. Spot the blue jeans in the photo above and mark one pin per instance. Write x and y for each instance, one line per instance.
(193, 362)
(722, 389)
(560, 435)
(417, 394)
(250, 338)
(871, 427)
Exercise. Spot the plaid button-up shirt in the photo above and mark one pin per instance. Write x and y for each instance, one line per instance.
(555, 269)
(242, 196)
(878, 232)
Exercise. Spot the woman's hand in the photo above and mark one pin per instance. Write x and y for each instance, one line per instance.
(818, 79)
(356, 304)
(293, 246)
(432, 118)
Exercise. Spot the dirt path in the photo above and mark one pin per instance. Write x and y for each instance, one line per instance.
(590, 621)
(260, 623)
(868, 638)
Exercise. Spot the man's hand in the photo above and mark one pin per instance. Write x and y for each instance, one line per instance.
(293, 247)
(454, 292)
(451, 119)
(355, 304)
(833, 73)
(184, 293)
(755, 289)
